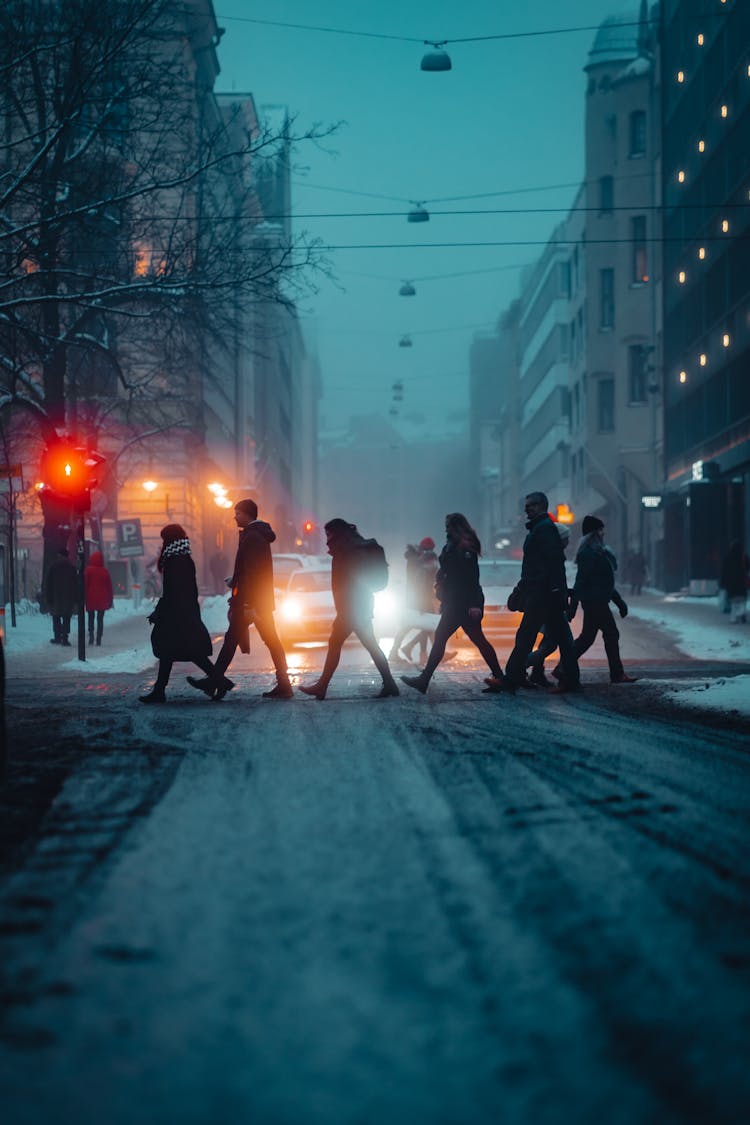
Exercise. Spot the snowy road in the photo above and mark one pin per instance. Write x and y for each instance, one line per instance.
(447, 909)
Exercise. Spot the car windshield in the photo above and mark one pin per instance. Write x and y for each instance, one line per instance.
(499, 572)
(309, 581)
(283, 567)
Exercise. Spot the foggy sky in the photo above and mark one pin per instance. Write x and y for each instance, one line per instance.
(508, 116)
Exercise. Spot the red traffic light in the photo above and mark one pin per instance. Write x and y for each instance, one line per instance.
(67, 472)
(308, 527)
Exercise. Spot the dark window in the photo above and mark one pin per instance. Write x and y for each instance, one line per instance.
(639, 249)
(637, 133)
(637, 373)
(606, 194)
(606, 405)
(607, 298)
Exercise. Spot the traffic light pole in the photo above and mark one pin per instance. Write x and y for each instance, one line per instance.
(81, 583)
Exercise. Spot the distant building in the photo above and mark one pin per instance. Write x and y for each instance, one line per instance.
(706, 173)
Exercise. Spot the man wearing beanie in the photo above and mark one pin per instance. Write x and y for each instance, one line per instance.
(252, 602)
(595, 589)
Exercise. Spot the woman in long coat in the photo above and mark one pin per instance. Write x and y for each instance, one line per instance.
(178, 632)
(99, 595)
(461, 599)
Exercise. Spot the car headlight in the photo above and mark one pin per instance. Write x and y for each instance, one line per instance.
(385, 603)
(291, 610)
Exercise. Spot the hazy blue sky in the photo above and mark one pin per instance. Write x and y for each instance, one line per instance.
(508, 116)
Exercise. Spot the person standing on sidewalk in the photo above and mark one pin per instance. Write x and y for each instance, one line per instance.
(354, 602)
(734, 580)
(99, 594)
(542, 596)
(178, 632)
(61, 595)
(461, 600)
(251, 602)
(595, 588)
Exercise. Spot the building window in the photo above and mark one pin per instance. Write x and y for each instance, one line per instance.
(607, 298)
(606, 405)
(638, 133)
(606, 194)
(636, 373)
(639, 250)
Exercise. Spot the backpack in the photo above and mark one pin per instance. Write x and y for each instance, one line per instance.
(373, 565)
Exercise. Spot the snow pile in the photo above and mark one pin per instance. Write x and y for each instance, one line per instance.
(703, 640)
(719, 695)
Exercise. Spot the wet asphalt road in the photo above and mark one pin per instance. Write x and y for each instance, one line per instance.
(455, 908)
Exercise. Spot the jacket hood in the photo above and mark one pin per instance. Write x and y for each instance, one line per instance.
(96, 558)
(262, 528)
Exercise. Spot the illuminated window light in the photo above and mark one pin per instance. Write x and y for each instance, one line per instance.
(703, 359)
(682, 277)
(700, 39)
(701, 146)
(683, 376)
(701, 252)
(680, 177)
(725, 225)
(726, 339)
(748, 70)
(680, 75)
(725, 111)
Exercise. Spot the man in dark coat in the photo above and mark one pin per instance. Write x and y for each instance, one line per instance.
(354, 603)
(595, 589)
(541, 595)
(251, 602)
(61, 595)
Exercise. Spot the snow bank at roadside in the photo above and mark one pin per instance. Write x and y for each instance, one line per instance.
(696, 638)
(726, 695)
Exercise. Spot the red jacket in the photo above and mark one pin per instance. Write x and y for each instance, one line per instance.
(98, 583)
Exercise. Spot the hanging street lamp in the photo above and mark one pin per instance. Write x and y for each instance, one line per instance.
(407, 290)
(437, 58)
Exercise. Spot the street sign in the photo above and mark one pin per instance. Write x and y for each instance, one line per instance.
(129, 538)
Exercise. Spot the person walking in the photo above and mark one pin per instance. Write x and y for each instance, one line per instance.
(535, 660)
(734, 581)
(636, 571)
(61, 596)
(251, 602)
(178, 632)
(421, 569)
(594, 588)
(354, 602)
(461, 600)
(542, 596)
(99, 594)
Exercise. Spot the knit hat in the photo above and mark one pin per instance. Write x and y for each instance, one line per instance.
(591, 523)
(427, 544)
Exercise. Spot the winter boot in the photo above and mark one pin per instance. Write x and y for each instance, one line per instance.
(419, 683)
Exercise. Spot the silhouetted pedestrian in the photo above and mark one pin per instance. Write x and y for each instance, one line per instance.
(595, 588)
(461, 599)
(251, 603)
(99, 594)
(636, 571)
(734, 581)
(546, 646)
(178, 632)
(419, 598)
(61, 596)
(542, 596)
(353, 598)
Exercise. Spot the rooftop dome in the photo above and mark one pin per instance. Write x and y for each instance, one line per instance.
(616, 40)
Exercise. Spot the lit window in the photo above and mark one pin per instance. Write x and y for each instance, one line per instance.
(725, 111)
(701, 146)
(702, 252)
(701, 39)
(682, 277)
(680, 177)
(725, 225)
(703, 359)
(683, 376)
(639, 257)
(726, 339)
(680, 75)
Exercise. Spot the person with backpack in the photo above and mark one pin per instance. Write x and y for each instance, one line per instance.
(358, 569)
(461, 600)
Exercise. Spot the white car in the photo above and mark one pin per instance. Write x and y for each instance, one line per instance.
(497, 577)
(305, 610)
(285, 564)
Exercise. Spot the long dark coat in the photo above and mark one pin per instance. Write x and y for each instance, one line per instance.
(457, 584)
(178, 632)
(61, 587)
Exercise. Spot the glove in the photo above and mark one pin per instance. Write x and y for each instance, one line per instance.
(622, 607)
(515, 601)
